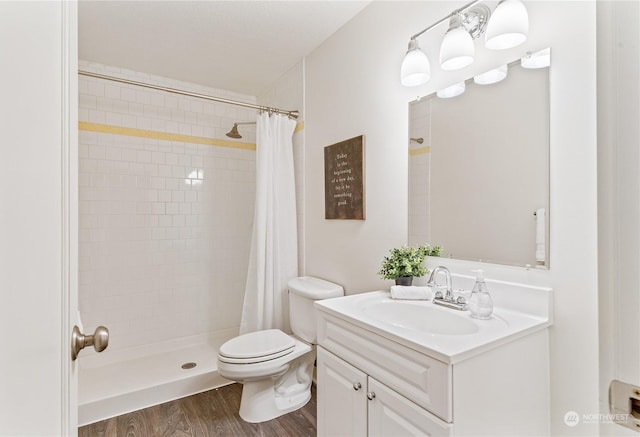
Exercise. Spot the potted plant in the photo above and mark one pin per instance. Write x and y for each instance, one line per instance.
(405, 262)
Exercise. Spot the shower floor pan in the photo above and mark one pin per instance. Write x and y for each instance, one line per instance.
(129, 380)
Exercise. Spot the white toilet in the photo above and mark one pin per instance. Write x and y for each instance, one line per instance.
(276, 369)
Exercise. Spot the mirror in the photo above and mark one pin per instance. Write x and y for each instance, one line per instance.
(479, 170)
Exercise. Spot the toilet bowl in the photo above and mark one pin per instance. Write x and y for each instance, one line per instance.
(276, 369)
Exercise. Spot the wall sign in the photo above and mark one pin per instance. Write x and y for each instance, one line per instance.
(344, 180)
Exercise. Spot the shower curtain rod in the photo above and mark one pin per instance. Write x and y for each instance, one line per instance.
(292, 114)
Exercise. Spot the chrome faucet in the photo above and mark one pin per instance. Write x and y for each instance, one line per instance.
(448, 299)
(447, 278)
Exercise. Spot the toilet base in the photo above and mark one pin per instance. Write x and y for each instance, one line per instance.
(259, 404)
(266, 399)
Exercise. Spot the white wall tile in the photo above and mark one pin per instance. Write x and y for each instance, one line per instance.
(160, 224)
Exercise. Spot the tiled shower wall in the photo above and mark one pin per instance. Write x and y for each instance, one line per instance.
(165, 223)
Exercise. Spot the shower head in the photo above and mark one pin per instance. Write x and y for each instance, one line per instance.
(233, 133)
(417, 140)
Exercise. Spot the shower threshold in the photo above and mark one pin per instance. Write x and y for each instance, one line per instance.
(132, 379)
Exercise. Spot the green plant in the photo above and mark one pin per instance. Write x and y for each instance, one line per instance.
(407, 261)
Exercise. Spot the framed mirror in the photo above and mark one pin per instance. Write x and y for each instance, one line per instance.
(479, 170)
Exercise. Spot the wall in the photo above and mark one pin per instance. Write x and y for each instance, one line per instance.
(352, 88)
(166, 209)
(618, 198)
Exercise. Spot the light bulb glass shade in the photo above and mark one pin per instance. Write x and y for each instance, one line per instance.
(415, 69)
(491, 76)
(452, 91)
(457, 49)
(538, 59)
(508, 25)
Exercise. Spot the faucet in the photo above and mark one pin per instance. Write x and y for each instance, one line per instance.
(447, 300)
(447, 278)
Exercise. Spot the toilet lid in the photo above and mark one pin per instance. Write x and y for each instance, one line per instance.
(257, 346)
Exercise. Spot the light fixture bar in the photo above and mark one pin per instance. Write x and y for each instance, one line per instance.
(457, 11)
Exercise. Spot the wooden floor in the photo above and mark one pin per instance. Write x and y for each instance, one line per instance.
(212, 413)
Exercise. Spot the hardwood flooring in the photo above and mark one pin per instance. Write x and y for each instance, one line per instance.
(212, 413)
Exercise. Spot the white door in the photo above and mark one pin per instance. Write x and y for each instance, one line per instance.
(619, 215)
(392, 415)
(38, 211)
(342, 397)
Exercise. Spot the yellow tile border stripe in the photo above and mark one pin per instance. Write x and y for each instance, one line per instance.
(166, 136)
(420, 151)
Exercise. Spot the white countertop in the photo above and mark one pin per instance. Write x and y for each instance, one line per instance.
(505, 325)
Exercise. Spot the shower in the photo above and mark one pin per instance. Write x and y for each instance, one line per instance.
(233, 133)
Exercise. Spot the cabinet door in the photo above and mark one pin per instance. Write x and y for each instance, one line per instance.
(342, 397)
(392, 415)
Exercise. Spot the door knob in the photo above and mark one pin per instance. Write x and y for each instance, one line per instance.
(357, 386)
(371, 395)
(99, 340)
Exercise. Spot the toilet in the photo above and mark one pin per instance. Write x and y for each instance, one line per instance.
(275, 368)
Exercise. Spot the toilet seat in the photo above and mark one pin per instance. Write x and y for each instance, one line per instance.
(256, 347)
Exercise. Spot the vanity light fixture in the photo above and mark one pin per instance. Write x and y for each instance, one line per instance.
(491, 76)
(539, 59)
(415, 69)
(507, 27)
(457, 49)
(452, 91)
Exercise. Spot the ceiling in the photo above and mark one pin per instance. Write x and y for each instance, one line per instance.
(241, 46)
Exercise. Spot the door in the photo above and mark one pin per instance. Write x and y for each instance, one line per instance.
(619, 216)
(38, 210)
(342, 397)
(391, 414)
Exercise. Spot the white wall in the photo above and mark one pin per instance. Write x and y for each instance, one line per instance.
(165, 222)
(352, 88)
(618, 197)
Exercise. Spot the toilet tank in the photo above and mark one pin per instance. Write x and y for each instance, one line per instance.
(303, 292)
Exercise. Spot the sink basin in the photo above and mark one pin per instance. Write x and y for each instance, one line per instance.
(444, 334)
(420, 317)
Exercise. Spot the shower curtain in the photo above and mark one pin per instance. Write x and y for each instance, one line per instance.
(274, 246)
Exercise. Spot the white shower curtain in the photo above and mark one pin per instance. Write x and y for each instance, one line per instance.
(274, 246)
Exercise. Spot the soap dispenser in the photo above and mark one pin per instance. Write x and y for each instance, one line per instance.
(480, 303)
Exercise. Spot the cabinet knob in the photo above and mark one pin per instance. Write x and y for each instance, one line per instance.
(357, 386)
(371, 395)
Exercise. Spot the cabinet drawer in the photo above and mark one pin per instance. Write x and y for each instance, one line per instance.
(418, 377)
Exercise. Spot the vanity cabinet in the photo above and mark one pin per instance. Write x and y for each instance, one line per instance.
(373, 384)
(352, 403)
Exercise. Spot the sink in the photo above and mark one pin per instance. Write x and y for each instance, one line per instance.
(444, 334)
(420, 317)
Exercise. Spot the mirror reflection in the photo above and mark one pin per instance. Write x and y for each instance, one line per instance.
(479, 170)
